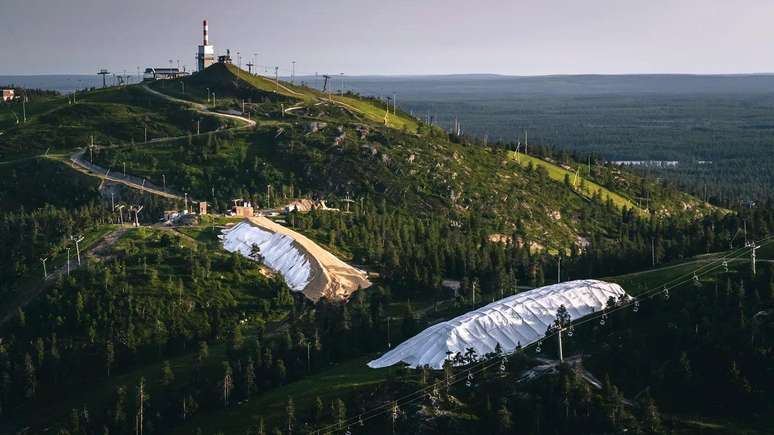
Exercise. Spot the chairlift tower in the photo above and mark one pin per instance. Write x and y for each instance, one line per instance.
(325, 83)
(103, 72)
(348, 200)
(77, 241)
(136, 210)
(753, 255)
(120, 208)
(45, 272)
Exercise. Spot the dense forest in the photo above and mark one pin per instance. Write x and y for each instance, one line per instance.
(723, 120)
(159, 330)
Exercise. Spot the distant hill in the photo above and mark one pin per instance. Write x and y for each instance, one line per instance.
(725, 119)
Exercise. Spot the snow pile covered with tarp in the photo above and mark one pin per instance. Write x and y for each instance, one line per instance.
(279, 252)
(516, 320)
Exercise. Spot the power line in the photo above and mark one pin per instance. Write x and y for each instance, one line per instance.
(484, 364)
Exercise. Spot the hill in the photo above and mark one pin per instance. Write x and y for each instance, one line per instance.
(161, 325)
(118, 115)
(333, 146)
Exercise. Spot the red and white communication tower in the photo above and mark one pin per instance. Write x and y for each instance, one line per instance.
(206, 54)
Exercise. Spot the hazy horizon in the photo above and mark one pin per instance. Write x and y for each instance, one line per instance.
(367, 38)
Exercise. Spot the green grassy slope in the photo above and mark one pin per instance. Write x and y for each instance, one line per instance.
(231, 85)
(583, 186)
(110, 116)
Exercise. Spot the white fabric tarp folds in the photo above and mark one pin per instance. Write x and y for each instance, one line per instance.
(516, 320)
(278, 250)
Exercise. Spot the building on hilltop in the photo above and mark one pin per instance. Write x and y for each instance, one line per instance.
(8, 95)
(206, 54)
(242, 208)
(163, 73)
(225, 58)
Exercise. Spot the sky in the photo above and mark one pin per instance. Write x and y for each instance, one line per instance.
(394, 37)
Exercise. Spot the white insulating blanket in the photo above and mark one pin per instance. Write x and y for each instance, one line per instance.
(279, 252)
(516, 320)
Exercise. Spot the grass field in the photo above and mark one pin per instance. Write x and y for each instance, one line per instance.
(586, 189)
(308, 95)
(336, 382)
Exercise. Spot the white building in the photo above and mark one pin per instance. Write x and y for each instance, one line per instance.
(163, 73)
(8, 95)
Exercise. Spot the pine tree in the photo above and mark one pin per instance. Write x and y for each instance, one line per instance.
(167, 375)
(318, 409)
(249, 377)
(649, 415)
(228, 383)
(504, 419)
(339, 412)
(290, 411)
(142, 399)
(109, 356)
(30, 377)
(119, 409)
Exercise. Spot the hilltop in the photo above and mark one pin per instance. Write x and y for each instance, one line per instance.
(338, 145)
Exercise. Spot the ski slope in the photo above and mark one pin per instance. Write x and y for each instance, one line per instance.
(516, 320)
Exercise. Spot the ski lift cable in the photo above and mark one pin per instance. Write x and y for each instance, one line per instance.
(483, 365)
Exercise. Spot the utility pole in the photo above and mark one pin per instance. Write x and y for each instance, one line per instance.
(389, 345)
(103, 72)
(753, 255)
(136, 211)
(276, 77)
(112, 201)
(163, 182)
(653, 251)
(526, 143)
(45, 273)
(146, 134)
(198, 125)
(561, 322)
(24, 107)
(121, 213)
(186, 201)
(68, 261)
(78, 247)
(124, 169)
(559, 269)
